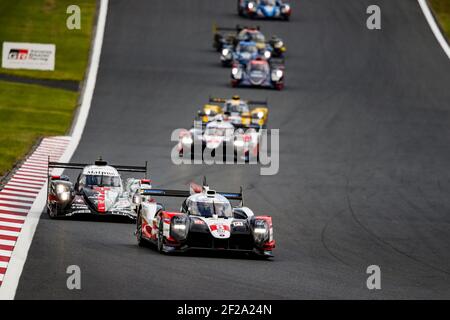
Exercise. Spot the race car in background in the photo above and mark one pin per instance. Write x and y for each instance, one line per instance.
(242, 53)
(220, 137)
(258, 73)
(206, 221)
(98, 190)
(225, 37)
(268, 9)
(238, 111)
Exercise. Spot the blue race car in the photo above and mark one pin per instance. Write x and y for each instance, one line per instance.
(258, 73)
(269, 9)
(244, 52)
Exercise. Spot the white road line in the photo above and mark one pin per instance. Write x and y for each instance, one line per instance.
(15, 267)
(434, 27)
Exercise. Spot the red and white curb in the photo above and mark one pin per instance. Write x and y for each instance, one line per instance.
(19, 194)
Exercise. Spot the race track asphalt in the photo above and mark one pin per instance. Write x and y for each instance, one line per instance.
(364, 157)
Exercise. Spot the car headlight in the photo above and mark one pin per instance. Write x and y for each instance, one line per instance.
(225, 52)
(186, 140)
(267, 54)
(260, 114)
(250, 5)
(208, 112)
(60, 188)
(64, 196)
(287, 7)
(260, 231)
(278, 44)
(279, 73)
(178, 227)
(234, 71)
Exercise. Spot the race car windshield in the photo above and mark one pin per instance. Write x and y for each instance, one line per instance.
(258, 37)
(214, 131)
(246, 48)
(102, 180)
(268, 2)
(246, 35)
(258, 67)
(242, 107)
(207, 209)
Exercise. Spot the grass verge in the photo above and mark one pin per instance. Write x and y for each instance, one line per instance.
(442, 10)
(26, 117)
(44, 21)
(28, 112)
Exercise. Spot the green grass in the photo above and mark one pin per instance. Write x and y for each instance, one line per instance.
(442, 11)
(44, 21)
(28, 112)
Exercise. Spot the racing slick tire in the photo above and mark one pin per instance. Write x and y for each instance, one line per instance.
(140, 240)
(279, 86)
(160, 241)
(239, 8)
(52, 213)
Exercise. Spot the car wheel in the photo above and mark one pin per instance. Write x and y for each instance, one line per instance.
(239, 8)
(139, 237)
(52, 213)
(160, 243)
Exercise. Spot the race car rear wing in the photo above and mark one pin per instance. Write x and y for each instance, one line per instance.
(253, 102)
(100, 162)
(237, 28)
(186, 193)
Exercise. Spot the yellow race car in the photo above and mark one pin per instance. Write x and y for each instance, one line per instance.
(237, 111)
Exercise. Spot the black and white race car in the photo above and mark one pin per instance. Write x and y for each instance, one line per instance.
(206, 221)
(98, 190)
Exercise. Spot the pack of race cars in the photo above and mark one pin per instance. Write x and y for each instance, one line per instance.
(207, 219)
(254, 60)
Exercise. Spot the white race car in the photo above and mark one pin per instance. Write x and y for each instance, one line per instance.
(98, 190)
(206, 221)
